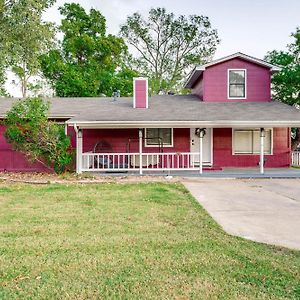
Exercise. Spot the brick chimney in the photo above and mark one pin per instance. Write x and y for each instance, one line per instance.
(140, 92)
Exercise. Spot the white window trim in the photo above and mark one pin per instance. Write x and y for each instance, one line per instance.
(228, 86)
(156, 146)
(251, 129)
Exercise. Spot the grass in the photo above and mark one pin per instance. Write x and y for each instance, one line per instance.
(136, 241)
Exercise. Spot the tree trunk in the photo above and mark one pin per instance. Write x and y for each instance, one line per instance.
(24, 87)
(296, 140)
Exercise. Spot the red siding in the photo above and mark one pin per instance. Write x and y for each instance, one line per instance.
(223, 150)
(119, 140)
(215, 82)
(140, 93)
(11, 160)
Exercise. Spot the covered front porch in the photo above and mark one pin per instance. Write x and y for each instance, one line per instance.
(138, 151)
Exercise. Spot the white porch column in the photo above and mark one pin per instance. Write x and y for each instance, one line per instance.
(261, 163)
(201, 135)
(141, 150)
(78, 150)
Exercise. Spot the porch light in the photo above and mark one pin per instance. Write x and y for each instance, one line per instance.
(262, 132)
(200, 132)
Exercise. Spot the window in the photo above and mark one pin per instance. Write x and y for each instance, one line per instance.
(159, 137)
(237, 84)
(248, 141)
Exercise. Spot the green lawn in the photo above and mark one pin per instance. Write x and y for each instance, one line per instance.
(134, 241)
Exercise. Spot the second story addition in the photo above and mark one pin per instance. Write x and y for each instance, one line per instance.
(234, 78)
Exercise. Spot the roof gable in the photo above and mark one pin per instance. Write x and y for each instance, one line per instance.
(196, 73)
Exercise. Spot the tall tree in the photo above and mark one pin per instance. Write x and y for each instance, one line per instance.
(286, 83)
(29, 37)
(4, 50)
(168, 46)
(87, 60)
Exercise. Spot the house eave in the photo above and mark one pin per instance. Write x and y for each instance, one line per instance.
(182, 124)
(195, 74)
(56, 117)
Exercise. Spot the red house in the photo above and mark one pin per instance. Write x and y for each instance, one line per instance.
(229, 120)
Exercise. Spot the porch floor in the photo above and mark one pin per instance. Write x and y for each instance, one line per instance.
(225, 173)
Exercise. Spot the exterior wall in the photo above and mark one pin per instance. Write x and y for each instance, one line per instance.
(223, 156)
(13, 161)
(119, 140)
(198, 88)
(215, 82)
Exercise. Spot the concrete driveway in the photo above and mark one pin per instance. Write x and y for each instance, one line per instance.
(263, 210)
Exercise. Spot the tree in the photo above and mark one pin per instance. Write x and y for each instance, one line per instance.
(168, 47)
(30, 132)
(286, 83)
(29, 37)
(4, 51)
(88, 60)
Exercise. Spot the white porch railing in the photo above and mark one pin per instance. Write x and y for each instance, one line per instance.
(296, 158)
(103, 162)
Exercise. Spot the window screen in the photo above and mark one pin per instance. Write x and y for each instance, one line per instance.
(237, 84)
(248, 141)
(159, 136)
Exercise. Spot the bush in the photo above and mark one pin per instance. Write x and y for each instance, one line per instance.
(29, 131)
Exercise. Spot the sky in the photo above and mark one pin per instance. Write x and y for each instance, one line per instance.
(252, 27)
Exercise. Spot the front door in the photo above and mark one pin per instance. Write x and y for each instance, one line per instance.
(207, 146)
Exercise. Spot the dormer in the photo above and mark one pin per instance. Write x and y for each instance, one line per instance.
(234, 78)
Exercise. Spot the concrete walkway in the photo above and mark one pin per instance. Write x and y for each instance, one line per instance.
(263, 210)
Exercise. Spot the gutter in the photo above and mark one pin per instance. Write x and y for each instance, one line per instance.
(183, 124)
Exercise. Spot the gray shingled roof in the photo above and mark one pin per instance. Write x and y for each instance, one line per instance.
(59, 107)
(173, 110)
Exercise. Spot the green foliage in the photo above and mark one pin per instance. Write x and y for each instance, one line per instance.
(4, 51)
(30, 132)
(88, 62)
(168, 46)
(286, 83)
(26, 37)
(130, 241)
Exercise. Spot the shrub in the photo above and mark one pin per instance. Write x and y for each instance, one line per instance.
(29, 131)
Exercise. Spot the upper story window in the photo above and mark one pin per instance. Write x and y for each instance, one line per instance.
(156, 137)
(237, 84)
